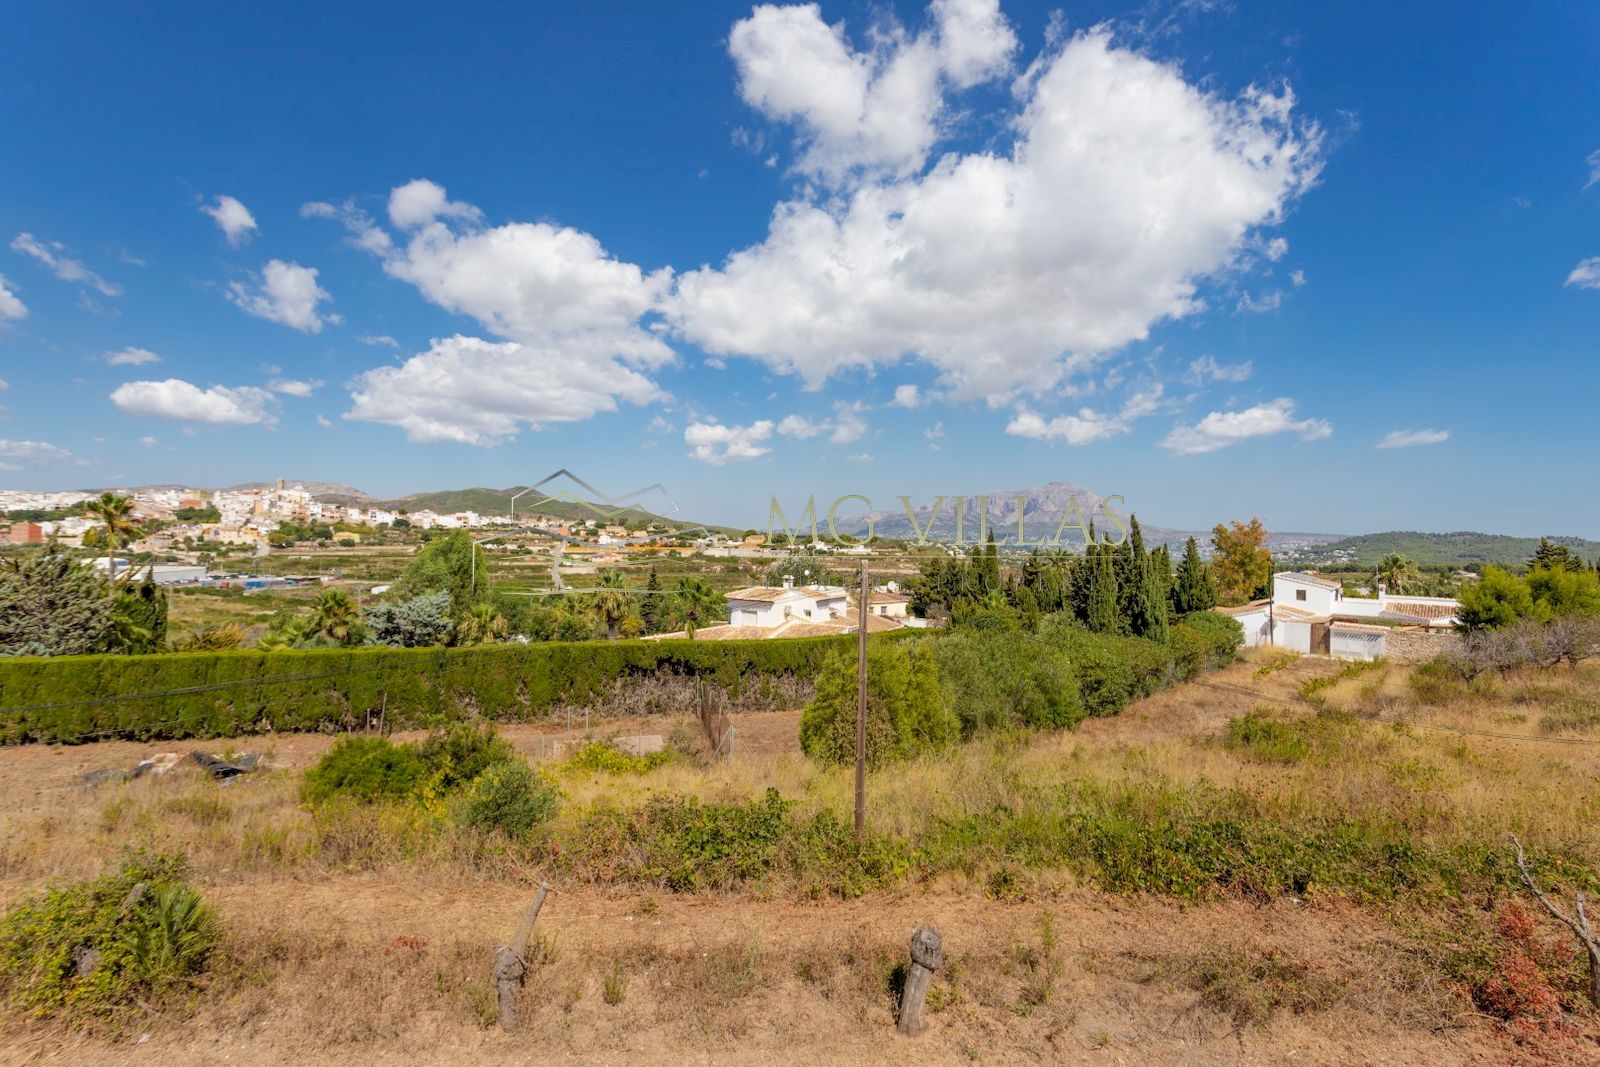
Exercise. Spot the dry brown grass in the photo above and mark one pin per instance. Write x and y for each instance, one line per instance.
(371, 935)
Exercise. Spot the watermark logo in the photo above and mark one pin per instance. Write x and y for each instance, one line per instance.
(1073, 527)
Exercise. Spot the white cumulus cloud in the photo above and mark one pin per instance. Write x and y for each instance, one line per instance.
(233, 218)
(1207, 369)
(871, 111)
(1413, 438)
(716, 444)
(1220, 429)
(53, 255)
(286, 293)
(800, 426)
(1087, 425)
(132, 357)
(375, 340)
(1586, 275)
(478, 392)
(11, 305)
(848, 424)
(183, 401)
(569, 311)
(419, 202)
(1127, 188)
(17, 455)
(295, 388)
(906, 396)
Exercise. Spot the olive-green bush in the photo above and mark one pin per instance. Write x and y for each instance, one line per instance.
(366, 770)
(88, 949)
(509, 798)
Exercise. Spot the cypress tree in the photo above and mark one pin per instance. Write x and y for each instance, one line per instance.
(991, 566)
(650, 606)
(1103, 614)
(1196, 588)
(1158, 580)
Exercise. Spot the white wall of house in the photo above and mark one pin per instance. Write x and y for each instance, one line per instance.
(1292, 634)
(1255, 627)
(1291, 590)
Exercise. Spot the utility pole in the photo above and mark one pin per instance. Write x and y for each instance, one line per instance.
(861, 708)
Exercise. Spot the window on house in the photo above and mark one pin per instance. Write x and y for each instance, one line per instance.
(1299, 594)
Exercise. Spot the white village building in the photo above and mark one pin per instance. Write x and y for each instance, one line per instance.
(1313, 615)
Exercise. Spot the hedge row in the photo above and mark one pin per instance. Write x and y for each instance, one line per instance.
(70, 699)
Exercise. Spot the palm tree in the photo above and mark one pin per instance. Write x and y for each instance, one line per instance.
(116, 512)
(1398, 574)
(482, 625)
(698, 603)
(611, 602)
(336, 617)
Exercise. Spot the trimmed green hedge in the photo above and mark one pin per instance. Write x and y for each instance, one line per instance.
(71, 699)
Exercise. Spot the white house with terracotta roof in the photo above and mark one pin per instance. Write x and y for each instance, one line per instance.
(760, 612)
(770, 605)
(887, 601)
(1310, 614)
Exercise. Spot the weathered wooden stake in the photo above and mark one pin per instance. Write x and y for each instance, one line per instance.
(509, 965)
(926, 956)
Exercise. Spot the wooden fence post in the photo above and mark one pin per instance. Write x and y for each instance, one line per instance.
(509, 965)
(926, 957)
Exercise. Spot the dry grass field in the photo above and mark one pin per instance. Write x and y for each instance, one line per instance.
(1073, 876)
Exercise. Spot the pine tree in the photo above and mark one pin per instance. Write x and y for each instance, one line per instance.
(1552, 554)
(1196, 589)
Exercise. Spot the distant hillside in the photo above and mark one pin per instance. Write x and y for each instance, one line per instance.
(498, 502)
(1437, 549)
(1043, 507)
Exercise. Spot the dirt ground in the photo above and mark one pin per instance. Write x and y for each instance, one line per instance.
(1105, 1007)
(334, 967)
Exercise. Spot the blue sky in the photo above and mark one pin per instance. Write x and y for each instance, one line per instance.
(1209, 256)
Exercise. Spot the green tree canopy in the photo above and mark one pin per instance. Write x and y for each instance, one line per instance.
(805, 568)
(906, 707)
(52, 606)
(1551, 555)
(445, 564)
(1495, 600)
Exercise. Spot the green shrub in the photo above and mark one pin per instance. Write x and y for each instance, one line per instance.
(90, 948)
(1270, 737)
(456, 754)
(606, 758)
(364, 769)
(906, 708)
(1204, 641)
(1005, 680)
(508, 798)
